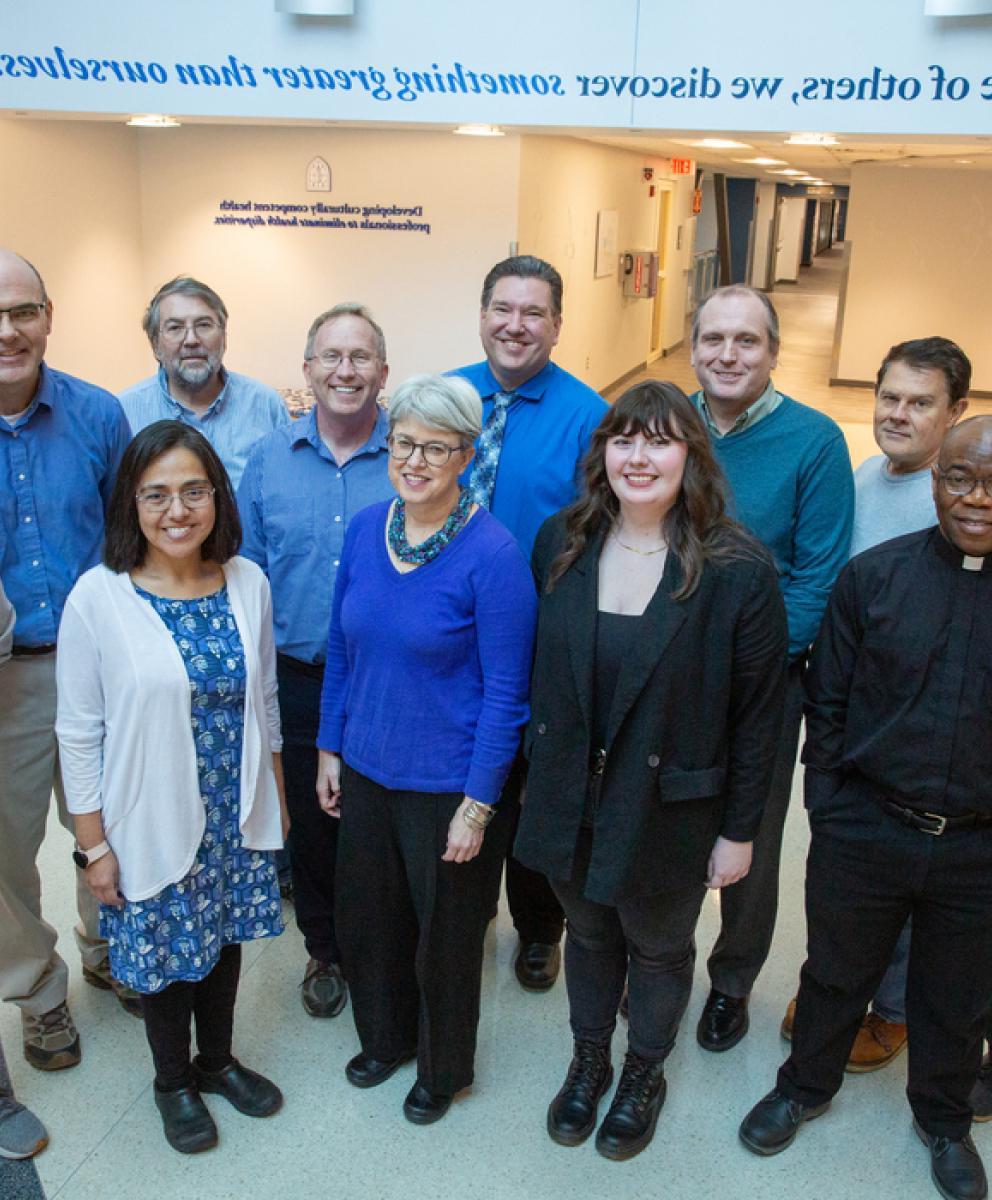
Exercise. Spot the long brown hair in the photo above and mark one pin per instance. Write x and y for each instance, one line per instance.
(696, 527)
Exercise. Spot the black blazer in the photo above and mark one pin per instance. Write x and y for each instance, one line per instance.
(692, 733)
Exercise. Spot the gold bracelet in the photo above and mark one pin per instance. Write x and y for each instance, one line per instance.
(477, 816)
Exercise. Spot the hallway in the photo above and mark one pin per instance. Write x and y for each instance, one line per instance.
(807, 315)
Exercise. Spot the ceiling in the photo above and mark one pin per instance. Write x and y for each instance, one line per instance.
(830, 163)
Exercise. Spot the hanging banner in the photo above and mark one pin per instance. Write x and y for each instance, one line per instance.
(889, 67)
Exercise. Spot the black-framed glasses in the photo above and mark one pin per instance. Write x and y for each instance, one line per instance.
(960, 483)
(22, 315)
(436, 454)
(197, 495)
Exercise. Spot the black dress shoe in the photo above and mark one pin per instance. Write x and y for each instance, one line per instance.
(365, 1072)
(424, 1107)
(955, 1166)
(249, 1092)
(537, 965)
(774, 1121)
(189, 1127)
(629, 1125)
(723, 1022)
(572, 1113)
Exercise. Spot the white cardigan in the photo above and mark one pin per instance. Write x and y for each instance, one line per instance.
(123, 725)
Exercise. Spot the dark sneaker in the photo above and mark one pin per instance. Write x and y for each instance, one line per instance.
(51, 1042)
(324, 989)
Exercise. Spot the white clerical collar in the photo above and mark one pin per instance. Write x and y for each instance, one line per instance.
(970, 563)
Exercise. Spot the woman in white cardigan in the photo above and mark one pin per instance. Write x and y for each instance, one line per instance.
(168, 728)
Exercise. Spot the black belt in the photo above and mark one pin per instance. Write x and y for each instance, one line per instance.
(314, 670)
(28, 651)
(934, 823)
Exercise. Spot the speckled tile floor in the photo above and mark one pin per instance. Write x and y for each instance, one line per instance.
(332, 1140)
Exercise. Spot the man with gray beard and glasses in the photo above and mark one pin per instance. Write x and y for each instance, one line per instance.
(186, 323)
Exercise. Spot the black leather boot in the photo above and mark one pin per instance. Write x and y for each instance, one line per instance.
(572, 1114)
(629, 1125)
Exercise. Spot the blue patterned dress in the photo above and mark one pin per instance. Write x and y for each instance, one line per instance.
(230, 894)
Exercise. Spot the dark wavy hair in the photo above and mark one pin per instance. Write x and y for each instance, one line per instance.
(696, 527)
(124, 544)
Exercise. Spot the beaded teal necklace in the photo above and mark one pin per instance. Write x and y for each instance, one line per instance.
(427, 550)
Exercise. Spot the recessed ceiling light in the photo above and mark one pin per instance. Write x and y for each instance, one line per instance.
(811, 139)
(964, 162)
(154, 121)
(714, 144)
(479, 131)
(786, 171)
(762, 162)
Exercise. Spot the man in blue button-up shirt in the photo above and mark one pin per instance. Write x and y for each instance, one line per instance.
(549, 422)
(186, 323)
(301, 487)
(61, 441)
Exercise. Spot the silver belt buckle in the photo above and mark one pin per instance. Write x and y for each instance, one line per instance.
(941, 824)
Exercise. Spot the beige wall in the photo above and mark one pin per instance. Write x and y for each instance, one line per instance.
(422, 289)
(564, 183)
(69, 203)
(109, 213)
(792, 213)
(920, 264)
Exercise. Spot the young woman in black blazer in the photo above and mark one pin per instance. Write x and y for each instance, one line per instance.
(656, 697)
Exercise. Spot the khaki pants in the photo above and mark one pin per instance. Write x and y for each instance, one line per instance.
(32, 975)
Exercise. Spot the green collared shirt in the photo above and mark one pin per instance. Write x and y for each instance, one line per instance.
(763, 407)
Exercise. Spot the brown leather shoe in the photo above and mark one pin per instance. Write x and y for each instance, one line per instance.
(785, 1029)
(877, 1044)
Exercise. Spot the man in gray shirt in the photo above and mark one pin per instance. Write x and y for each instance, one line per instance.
(920, 393)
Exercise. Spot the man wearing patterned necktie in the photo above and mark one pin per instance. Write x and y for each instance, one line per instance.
(538, 423)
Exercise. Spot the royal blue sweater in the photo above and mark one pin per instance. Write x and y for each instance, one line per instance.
(427, 674)
(791, 485)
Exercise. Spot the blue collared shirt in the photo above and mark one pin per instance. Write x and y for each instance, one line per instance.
(243, 411)
(548, 428)
(295, 503)
(57, 469)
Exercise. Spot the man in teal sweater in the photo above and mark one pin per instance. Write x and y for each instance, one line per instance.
(791, 485)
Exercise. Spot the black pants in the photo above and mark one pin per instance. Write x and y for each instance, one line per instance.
(748, 909)
(534, 908)
(866, 873)
(647, 941)
(313, 835)
(167, 1021)
(412, 927)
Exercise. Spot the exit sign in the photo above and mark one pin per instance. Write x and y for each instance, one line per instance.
(681, 166)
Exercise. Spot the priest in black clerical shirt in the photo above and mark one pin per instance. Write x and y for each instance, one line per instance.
(899, 791)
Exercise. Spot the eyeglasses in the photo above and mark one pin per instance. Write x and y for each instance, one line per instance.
(22, 315)
(157, 500)
(331, 359)
(202, 327)
(960, 483)
(436, 454)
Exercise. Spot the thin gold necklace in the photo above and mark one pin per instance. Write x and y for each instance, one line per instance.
(634, 549)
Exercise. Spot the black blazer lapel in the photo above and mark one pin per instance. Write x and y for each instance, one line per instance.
(662, 619)
(579, 589)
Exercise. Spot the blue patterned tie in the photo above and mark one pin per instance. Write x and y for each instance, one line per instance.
(487, 451)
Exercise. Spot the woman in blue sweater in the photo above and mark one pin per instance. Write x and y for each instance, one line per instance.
(425, 693)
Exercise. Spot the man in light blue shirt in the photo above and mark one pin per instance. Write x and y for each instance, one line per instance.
(61, 441)
(186, 323)
(301, 487)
